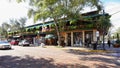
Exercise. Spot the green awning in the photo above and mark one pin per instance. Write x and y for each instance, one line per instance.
(37, 27)
(47, 24)
(27, 29)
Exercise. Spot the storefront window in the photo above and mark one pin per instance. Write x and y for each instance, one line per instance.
(77, 36)
(88, 38)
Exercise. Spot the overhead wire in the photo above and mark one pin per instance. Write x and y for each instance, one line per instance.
(116, 12)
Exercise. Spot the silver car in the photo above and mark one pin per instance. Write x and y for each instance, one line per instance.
(5, 45)
(24, 43)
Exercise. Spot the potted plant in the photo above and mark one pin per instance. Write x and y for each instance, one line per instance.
(117, 42)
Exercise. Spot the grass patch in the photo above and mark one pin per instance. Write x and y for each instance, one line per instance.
(100, 51)
(59, 46)
(91, 51)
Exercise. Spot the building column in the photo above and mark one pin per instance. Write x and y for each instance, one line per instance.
(83, 37)
(94, 35)
(72, 44)
(66, 41)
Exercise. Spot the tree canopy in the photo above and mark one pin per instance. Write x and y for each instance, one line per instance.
(13, 25)
(44, 9)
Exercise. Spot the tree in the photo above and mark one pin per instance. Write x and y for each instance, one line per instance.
(104, 25)
(117, 32)
(58, 10)
(18, 24)
(4, 28)
(13, 26)
(22, 22)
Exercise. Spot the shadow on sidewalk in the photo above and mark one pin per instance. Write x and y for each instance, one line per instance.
(30, 62)
(92, 57)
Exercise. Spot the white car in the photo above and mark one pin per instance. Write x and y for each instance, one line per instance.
(5, 45)
(24, 43)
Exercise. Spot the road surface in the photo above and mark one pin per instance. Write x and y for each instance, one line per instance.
(53, 57)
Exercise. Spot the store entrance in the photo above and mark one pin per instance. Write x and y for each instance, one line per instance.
(88, 38)
(68, 39)
(77, 39)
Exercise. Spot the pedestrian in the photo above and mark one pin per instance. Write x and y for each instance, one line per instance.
(36, 41)
(109, 43)
(42, 42)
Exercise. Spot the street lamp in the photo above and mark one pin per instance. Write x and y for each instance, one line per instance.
(103, 30)
(97, 35)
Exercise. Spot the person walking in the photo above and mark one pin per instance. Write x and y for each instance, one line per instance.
(109, 43)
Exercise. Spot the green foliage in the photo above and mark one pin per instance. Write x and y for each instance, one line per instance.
(18, 24)
(118, 41)
(57, 9)
(103, 23)
(14, 25)
(117, 36)
(4, 28)
(52, 26)
(19, 1)
(72, 27)
(117, 32)
(74, 21)
(43, 9)
(89, 25)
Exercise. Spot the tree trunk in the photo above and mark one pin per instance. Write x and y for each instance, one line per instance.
(58, 32)
(56, 27)
(117, 36)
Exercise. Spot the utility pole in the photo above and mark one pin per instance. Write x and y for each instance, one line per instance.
(103, 31)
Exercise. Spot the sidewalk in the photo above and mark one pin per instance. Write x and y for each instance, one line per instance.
(110, 51)
(116, 52)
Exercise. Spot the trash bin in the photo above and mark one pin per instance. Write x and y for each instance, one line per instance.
(94, 44)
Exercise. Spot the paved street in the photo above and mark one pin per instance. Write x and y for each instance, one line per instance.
(53, 57)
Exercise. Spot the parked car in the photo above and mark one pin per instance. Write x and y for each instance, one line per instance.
(24, 43)
(14, 42)
(5, 45)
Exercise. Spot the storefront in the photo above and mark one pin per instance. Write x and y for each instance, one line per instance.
(80, 38)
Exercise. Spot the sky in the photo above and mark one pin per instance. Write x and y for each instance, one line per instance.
(13, 10)
(113, 8)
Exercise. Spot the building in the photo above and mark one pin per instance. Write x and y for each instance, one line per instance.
(76, 32)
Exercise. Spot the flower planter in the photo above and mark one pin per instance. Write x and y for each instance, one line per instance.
(116, 45)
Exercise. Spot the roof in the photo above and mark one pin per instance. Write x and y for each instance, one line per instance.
(85, 15)
(40, 24)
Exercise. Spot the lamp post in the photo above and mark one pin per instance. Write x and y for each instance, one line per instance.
(103, 28)
(97, 35)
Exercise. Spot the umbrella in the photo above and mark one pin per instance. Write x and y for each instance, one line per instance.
(50, 36)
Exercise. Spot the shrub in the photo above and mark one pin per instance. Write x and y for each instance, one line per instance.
(118, 41)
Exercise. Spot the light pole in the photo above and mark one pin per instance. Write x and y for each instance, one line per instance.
(103, 29)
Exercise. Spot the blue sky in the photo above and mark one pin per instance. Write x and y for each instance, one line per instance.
(105, 1)
(111, 7)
